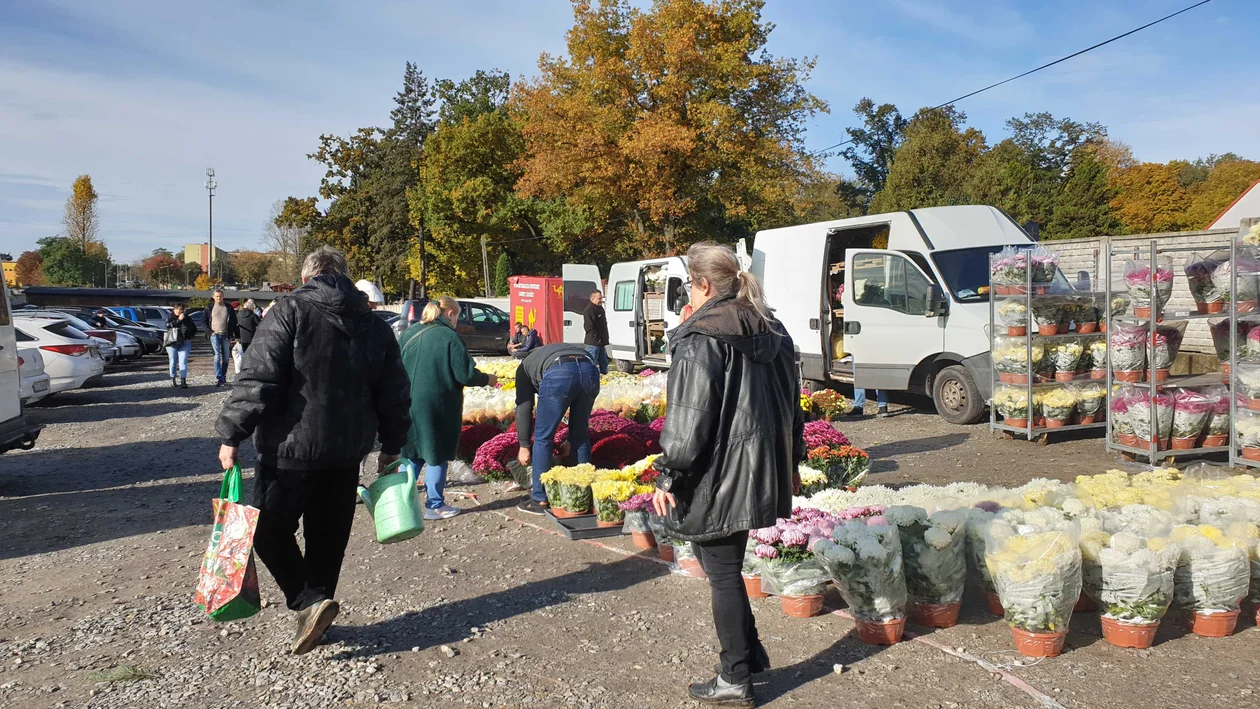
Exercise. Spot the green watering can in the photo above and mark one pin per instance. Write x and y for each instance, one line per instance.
(394, 503)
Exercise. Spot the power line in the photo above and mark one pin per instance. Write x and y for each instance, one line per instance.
(1043, 66)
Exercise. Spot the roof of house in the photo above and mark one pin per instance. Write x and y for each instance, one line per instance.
(1247, 205)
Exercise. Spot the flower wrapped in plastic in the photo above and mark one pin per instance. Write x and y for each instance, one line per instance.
(752, 562)
(1219, 330)
(788, 567)
(1248, 381)
(812, 481)
(1010, 356)
(1066, 355)
(1214, 570)
(1166, 343)
(1013, 313)
(1098, 356)
(1128, 348)
(1090, 397)
(933, 551)
(1132, 564)
(1199, 273)
(863, 558)
(1137, 277)
(1190, 413)
(663, 539)
(1140, 410)
(1011, 401)
(1246, 284)
(575, 489)
(1248, 430)
(1058, 403)
(1252, 237)
(1119, 305)
(489, 405)
(1047, 311)
(977, 527)
(1009, 267)
(636, 510)
(1035, 560)
(608, 496)
(1218, 420)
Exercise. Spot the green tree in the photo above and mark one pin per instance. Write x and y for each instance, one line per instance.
(1084, 209)
(502, 271)
(932, 166)
(65, 263)
(483, 92)
(1149, 197)
(1225, 182)
(874, 145)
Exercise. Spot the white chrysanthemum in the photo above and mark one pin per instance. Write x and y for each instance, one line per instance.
(1091, 524)
(1091, 550)
(1075, 507)
(1106, 556)
(905, 515)
(1126, 542)
(1145, 559)
(937, 537)
(949, 520)
(1000, 530)
(869, 549)
(839, 554)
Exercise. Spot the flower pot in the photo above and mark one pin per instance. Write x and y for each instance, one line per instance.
(1056, 423)
(1038, 644)
(1185, 444)
(643, 540)
(1128, 439)
(1004, 377)
(1102, 325)
(606, 525)
(1253, 404)
(1017, 423)
(876, 632)
(1048, 329)
(1142, 312)
(1161, 375)
(665, 552)
(1064, 376)
(562, 513)
(1214, 441)
(1131, 377)
(1161, 444)
(1084, 604)
(1245, 306)
(692, 568)
(1088, 419)
(1016, 290)
(1039, 422)
(802, 606)
(1016, 330)
(1086, 328)
(1225, 369)
(752, 586)
(1251, 453)
(1097, 374)
(1135, 635)
(993, 604)
(1041, 290)
(935, 615)
(1017, 379)
(1213, 625)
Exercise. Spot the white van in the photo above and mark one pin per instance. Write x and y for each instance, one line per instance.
(15, 430)
(643, 301)
(894, 301)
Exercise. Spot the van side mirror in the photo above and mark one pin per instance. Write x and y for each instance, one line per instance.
(937, 304)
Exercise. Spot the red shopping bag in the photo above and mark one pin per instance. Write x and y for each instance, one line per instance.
(227, 588)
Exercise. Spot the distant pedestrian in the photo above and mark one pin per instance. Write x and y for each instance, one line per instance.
(595, 322)
(221, 323)
(325, 379)
(180, 331)
(439, 366)
(564, 378)
(525, 340)
(859, 403)
(247, 323)
(731, 444)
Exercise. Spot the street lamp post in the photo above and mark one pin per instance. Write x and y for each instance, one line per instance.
(210, 187)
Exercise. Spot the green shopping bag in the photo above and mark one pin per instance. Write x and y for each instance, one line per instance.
(227, 588)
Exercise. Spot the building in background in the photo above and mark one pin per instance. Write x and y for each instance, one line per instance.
(200, 254)
(10, 273)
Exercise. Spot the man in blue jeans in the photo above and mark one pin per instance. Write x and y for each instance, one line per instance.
(564, 378)
(859, 402)
(221, 325)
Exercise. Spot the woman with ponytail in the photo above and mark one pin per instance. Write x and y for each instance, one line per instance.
(731, 443)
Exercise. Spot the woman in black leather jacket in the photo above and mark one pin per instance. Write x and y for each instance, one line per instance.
(731, 442)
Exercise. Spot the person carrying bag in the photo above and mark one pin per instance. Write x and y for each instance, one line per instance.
(227, 588)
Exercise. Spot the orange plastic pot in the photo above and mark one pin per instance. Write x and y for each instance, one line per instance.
(1161, 375)
(1225, 368)
(1004, 377)
(1253, 404)
(1097, 374)
(1214, 441)
(1205, 308)
(692, 568)
(1017, 423)
(1085, 328)
(1016, 330)
(605, 525)
(1128, 439)
(1142, 312)
(1183, 444)
(1038, 644)
(1064, 376)
(1056, 423)
(1161, 444)
(1017, 378)
(1213, 625)
(1048, 329)
(1131, 377)
(1102, 325)
(875, 632)
(1245, 306)
(802, 606)
(665, 552)
(643, 540)
(1250, 453)
(562, 513)
(752, 586)
(993, 604)
(935, 615)
(1135, 635)
(1088, 419)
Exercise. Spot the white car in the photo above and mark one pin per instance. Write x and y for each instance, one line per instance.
(71, 358)
(35, 380)
(104, 340)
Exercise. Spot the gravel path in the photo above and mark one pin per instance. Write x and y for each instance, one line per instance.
(102, 527)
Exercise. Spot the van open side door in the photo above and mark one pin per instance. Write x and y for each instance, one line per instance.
(887, 326)
(579, 282)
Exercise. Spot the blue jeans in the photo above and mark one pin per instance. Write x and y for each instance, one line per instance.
(570, 385)
(221, 346)
(434, 484)
(178, 357)
(859, 398)
(600, 355)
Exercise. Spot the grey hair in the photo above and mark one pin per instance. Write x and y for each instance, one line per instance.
(718, 265)
(324, 261)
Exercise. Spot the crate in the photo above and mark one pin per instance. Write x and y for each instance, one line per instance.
(584, 527)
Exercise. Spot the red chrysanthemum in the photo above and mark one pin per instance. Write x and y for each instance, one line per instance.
(616, 452)
(658, 425)
(821, 433)
(471, 438)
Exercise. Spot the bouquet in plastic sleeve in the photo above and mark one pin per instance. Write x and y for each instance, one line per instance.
(812, 481)
(575, 488)
(1128, 350)
(1058, 403)
(1190, 413)
(636, 511)
(1035, 560)
(1245, 283)
(1066, 355)
(1250, 345)
(1010, 356)
(489, 405)
(1247, 429)
(1137, 277)
(863, 558)
(1044, 265)
(1252, 237)
(608, 496)
(1119, 305)
(1218, 420)
(933, 550)
(1140, 414)
(1090, 397)
(1098, 358)
(788, 567)
(1214, 570)
(1247, 379)
(1047, 314)
(978, 519)
(1219, 330)
(1009, 267)
(1011, 402)
(1014, 314)
(1166, 344)
(1121, 422)
(1199, 272)
(1131, 564)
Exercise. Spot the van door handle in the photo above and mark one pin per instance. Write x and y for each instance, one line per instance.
(568, 323)
(815, 324)
(852, 328)
(633, 323)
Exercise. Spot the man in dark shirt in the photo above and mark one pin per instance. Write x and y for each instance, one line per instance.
(595, 321)
(525, 340)
(564, 379)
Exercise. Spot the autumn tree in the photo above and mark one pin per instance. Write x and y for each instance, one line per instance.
(1225, 181)
(1149, 198)
(291, 221)
(203, 282)
(933, 163)
(667, 125)
(160, 267)
(252, 266)
(1084, 207)
(80, 219)
(29, 269)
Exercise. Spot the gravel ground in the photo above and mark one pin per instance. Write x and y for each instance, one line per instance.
(102, 527)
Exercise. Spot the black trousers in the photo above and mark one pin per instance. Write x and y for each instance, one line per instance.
(324, 501)
(723, 562)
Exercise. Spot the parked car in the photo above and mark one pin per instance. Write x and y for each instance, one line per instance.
(71, 358)
(151, 314)
(34, 378)
(114, 344)
(16, 431)
(150, 337)
(484, 327)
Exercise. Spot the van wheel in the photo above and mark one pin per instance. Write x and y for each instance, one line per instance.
(623, 366)
(956, 396)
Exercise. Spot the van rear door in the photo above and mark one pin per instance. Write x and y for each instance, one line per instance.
(10, 379)
(579, 282)
(886, 327)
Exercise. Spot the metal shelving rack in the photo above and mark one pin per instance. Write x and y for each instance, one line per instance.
(1028, 297)
(1157, 315)
(1237, 247)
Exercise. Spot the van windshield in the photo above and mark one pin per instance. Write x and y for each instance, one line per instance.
(966, 273)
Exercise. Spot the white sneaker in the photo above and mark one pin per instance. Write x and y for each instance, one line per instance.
(443, 512)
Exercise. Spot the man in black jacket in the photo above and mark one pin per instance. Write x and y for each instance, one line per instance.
(324, 380)
(595, 323)
(247, 323)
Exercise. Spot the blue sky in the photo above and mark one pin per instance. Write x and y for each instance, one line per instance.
(144, 95)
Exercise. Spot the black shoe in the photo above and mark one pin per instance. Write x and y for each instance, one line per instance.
(856, 413)
(311, 624)
(719, 691)
(220, 383)
(532, 507)
(183, 383)
(174, 382)
(883, 412)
